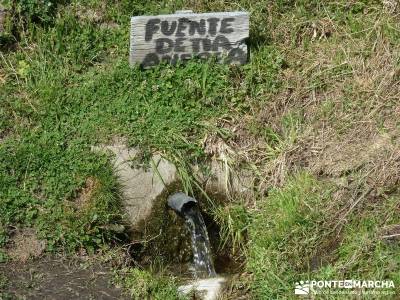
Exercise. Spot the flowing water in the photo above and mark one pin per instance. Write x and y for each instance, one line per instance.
(203, 264)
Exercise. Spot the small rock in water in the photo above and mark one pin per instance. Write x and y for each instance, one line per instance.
(209, 288)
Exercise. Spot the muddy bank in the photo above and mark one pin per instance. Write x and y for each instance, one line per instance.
(57, 278)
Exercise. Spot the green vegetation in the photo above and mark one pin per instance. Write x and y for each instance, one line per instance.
(284, 235)
(233, 220)
(75, 89)
(143, 285)
(314, 115)
(293, 238)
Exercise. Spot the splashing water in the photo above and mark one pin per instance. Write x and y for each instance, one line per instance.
(200, 243)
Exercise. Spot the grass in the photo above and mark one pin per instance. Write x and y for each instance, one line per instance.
(314, 114)
(292, 238)
(233, 221)
(3, 285)
(142, 284)
(284, 235)
(73, 89)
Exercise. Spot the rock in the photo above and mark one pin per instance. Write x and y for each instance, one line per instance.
(207, 289)
(140, 187)
(222, 179)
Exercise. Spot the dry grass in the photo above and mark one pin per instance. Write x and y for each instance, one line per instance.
(24, 245)
(2, 77)
(336, 116)
(83, 201)
(344, 88)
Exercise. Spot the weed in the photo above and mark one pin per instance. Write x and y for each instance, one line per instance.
(284, 235)
(142, 284)
(3, 285)
(233, 220)
(291, 240)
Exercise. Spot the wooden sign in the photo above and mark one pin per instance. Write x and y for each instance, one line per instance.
(186, 35)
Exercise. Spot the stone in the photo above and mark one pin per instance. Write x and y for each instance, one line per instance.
(204, 289)
(140, 187)
(223, 179)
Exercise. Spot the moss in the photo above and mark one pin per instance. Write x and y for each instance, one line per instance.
(165, 241)
(163, 234)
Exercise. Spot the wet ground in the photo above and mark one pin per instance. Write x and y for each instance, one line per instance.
(51, 278)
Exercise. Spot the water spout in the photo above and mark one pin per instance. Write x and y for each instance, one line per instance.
(180, 202)
(187, 208)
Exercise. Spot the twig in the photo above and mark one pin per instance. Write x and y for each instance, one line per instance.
(143, 241)
(353, 206)
(390, 236)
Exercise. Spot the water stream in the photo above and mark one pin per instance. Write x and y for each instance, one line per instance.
(194, 221)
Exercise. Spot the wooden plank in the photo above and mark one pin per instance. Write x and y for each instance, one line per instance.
(185, 35)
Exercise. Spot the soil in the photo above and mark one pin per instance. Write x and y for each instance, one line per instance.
(24, 244)
(55, 278)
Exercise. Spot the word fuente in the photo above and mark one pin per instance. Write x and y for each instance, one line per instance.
(180, 37)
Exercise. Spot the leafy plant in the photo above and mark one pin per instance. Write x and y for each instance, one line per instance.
(37, 10)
